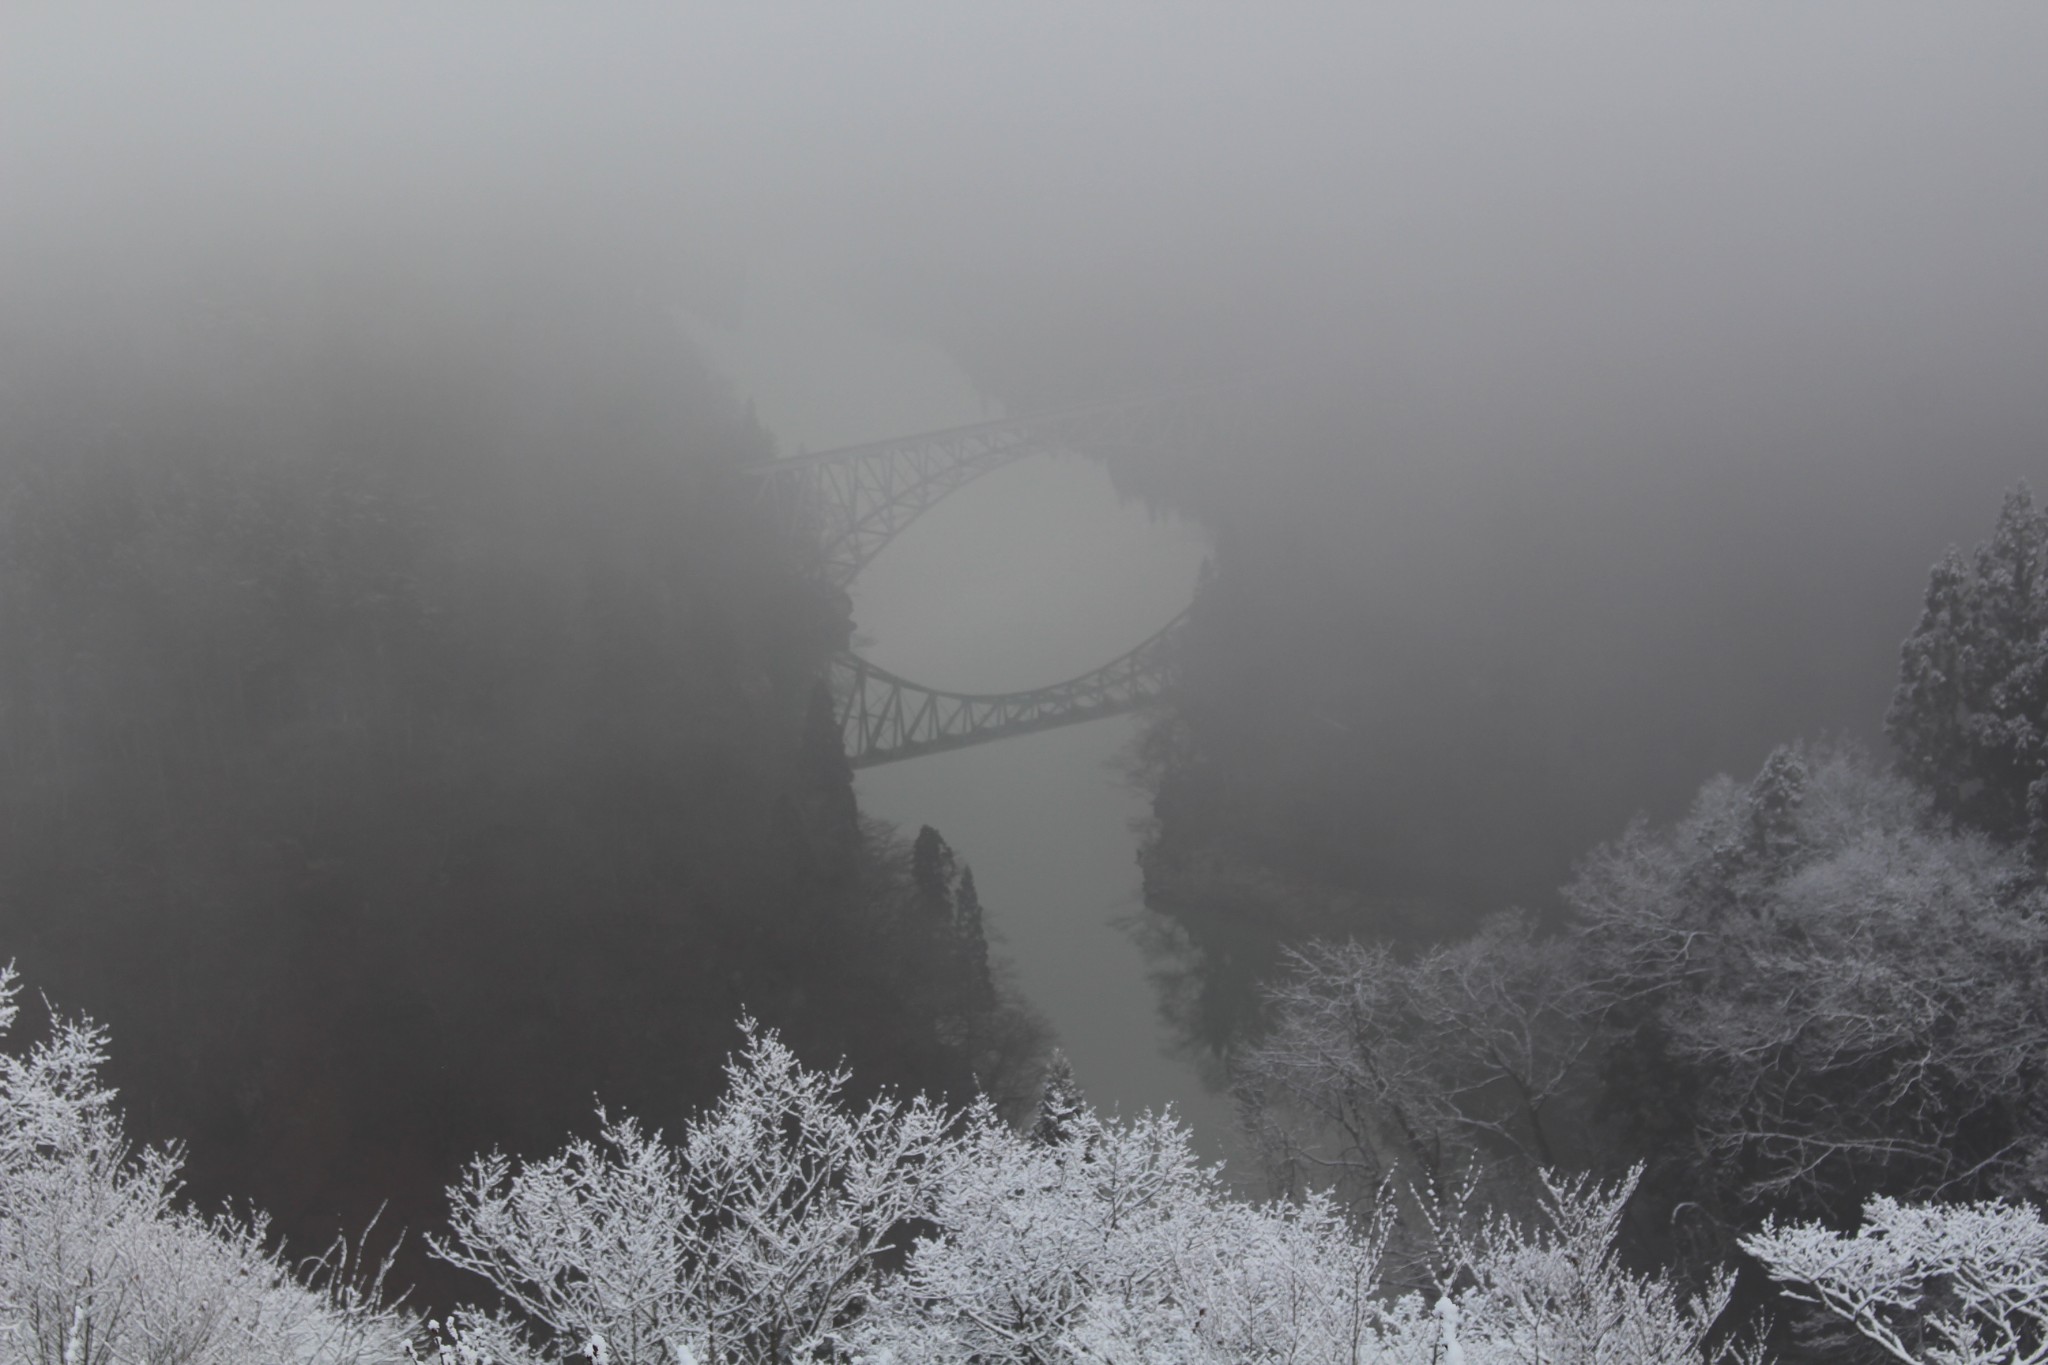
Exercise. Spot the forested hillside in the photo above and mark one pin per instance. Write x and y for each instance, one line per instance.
(1447, 645)
(1819, 984)
(410, 729)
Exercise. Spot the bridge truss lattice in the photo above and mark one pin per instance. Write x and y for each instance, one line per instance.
(885, 718)
(850, 503)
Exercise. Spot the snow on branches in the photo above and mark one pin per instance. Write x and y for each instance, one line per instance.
(791, 1224)
(101, 1264)
(1375, 1063)
(1116, 1243)
(1555, 1293)
(788, 1224)
(1931, 1284)
(754, 1240)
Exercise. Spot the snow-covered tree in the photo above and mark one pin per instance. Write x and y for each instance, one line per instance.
(1378, 1066)
(757, 1238)
(1115, 1243)
(1970, 716)
(1813, 990)
(791, 1225)
(102, 1264)
(1554, 1293)
(1930, 1284)
(1061, 1106)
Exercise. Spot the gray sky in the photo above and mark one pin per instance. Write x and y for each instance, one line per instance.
(1562, 179)
(1519, 239)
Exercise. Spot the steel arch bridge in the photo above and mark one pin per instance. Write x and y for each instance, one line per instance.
(848, 504)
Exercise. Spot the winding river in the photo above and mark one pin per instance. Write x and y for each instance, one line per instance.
(1032, 574)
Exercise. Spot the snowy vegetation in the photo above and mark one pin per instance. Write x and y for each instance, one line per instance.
(789, 1223)
(1814, 988)
(1963, 1284)
(755, 1238)
(101, 1264)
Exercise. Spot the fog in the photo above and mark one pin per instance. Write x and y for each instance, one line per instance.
(1599, 382)
(1588, 234)
(1032, 574)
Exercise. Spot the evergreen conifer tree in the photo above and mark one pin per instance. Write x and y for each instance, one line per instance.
(972, 937)
(829, 813)
(932, 874)
(1970, 715)
(1062, 1106)
(1774, 799)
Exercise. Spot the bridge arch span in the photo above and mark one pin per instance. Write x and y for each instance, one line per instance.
(850, 503)
(884, 717)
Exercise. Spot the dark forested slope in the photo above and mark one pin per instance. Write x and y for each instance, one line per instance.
(1445, 648)
(408, 729)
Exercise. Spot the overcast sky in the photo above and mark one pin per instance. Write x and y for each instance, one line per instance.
(1605, 183)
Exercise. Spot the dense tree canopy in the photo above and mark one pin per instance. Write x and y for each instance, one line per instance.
(1816, 990)
(417, 711)
(1970, 717)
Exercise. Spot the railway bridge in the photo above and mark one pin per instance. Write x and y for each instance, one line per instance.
(848, 504)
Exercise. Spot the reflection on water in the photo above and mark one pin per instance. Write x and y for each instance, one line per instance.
(1033, 574)
(1046, 822)
(1030, 575)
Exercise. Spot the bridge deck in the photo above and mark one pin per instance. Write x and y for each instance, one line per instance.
(854, 500)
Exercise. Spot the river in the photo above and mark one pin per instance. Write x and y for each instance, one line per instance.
(1030, 575)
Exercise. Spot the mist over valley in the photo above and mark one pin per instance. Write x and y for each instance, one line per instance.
(1447, 597)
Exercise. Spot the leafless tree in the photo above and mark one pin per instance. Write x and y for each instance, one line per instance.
(1930, 1284)
(102, 1264)
(1843, 991)
(1376, 1066)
